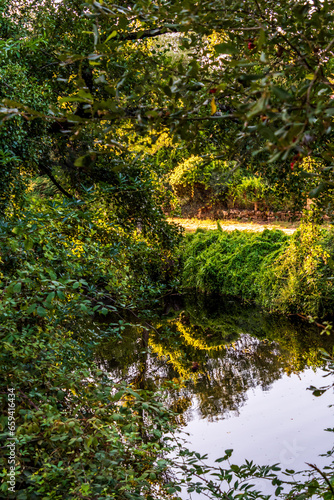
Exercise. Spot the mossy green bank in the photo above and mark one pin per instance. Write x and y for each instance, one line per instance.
(286, 274)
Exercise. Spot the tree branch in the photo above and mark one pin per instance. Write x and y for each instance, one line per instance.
(323, 475)
(31, 402)
(47, 171)
(140, 35)
(162, 30)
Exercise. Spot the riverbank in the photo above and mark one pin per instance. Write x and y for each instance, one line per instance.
(283, 273)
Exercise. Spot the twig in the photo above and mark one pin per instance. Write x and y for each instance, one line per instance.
(258, 8)
(297, 51)
(315, 76)
(306, 319)
(323, 475)
(31, 402)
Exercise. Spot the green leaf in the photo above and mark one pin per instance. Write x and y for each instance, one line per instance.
(17, 230)
(118, 395)
(261, 39)
(267, 133)
(314, 193)
(41, 311)
(318, 392)
(307, 175)
(28, 244)
(225, 48)
(259, 107)
(329, 112)
(112, 35)
(282, 94)
(85, 161)
(17, 287)
(50, 297)
(31, 308)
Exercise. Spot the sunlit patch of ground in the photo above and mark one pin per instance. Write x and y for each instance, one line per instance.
(191, 225)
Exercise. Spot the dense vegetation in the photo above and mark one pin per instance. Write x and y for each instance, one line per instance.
(100, 105)
(285, 274)
(219, 184)
(65, 265)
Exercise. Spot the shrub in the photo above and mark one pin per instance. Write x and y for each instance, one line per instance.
(193, 179)
(281, 273)
(250, 191)
(190, 178)
(299, 280)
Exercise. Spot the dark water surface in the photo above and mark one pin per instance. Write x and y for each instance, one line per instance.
(243, 377)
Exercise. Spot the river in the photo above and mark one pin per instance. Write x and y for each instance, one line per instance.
(241, 379)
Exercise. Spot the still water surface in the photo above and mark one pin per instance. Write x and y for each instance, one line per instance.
(243, 375)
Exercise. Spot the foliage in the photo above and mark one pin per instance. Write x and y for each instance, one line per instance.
(193, 179)
(259, 78)
(19, 139)
(300, 280)
(62, 265)
(72, 421)
(81, 86)
(251, 190)
(220, 182)
(187, 175)
(229, 262)
(281, 273)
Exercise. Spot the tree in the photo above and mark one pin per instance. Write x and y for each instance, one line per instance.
(85, 92)
(262, 72)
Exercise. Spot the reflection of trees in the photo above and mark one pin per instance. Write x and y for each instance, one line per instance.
(225, 374)
(248, 363)
(298, 341)
(235, 347)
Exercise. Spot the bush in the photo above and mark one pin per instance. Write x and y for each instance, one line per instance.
(299, 280)
(78, 434)
(249, 192)
(281, 273)
(191, 178)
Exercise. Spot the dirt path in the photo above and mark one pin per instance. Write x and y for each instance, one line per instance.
(191, 225)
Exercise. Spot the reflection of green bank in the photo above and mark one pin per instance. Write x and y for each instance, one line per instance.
(287, 274)
(208, 325)
(235, 347)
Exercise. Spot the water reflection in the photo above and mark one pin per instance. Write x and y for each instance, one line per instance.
(215, 350)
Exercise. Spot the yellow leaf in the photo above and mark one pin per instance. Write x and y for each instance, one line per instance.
(213, 106)
(112, 35)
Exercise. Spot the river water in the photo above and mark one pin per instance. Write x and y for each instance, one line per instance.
(242, 375)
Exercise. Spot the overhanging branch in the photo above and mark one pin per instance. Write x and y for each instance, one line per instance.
(140, 35)
(47, 171)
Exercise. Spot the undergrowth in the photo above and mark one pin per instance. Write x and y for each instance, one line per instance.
(286, 274)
